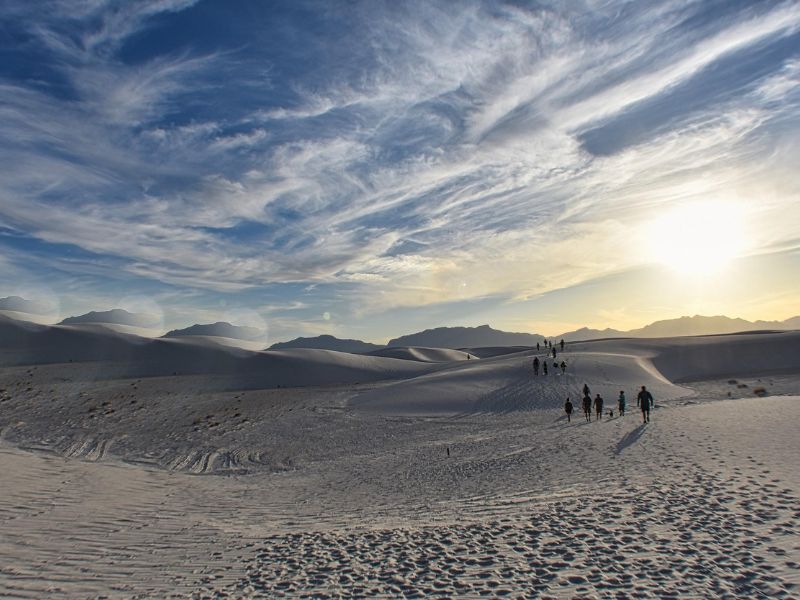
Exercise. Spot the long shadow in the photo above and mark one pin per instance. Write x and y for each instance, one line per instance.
(630, 438)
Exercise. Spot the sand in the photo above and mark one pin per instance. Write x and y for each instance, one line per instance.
(444, 478)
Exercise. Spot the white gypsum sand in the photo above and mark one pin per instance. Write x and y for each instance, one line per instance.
(341, 485)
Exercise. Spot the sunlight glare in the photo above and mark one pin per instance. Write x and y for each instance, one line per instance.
(698, 239)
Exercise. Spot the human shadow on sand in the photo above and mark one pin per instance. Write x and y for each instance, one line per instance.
(630, 438)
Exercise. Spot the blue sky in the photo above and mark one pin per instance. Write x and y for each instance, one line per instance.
(372, 168)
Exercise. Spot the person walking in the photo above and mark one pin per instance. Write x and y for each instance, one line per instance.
(537, 346)
(544, 367)
(554, 353)
(598, 407)
(587, 407)
(621, 403)
(563, 367)
(562, 344)
(568, 409)
(535, 365)
(586, 391)
(645, 401)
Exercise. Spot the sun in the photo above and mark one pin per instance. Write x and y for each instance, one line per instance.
(699, 238)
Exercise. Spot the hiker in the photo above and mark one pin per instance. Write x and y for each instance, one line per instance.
(568, 409)
(621, 403)
(537, 346)
(586, 390)
(587, 407)
(562, 344)
(554, 353)
(536, 365)
(563, 367)
(544, 368)
(598, 407)
(645, 401)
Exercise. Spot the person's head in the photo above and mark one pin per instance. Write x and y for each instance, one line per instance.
(644, 389)
(622, 392)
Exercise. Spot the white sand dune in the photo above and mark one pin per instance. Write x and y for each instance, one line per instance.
(134, 356)
(394, 477)
(423, 354)
(506, 383)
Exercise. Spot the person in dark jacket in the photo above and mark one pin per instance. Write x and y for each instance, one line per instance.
(568, 409)
(598, 407)
(536, 365)
(645, 402)
(621, 403)
(587, 407)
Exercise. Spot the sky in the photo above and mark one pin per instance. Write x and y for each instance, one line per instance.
(369, 169)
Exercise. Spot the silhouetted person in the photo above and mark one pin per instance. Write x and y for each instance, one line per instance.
(621, 403)
(586, 391)
(645, 401)
(598, 407)
(537, 346)
(544, 368)
(536, 365)
(562, 344)
(554, 353)
(587, 407)
(568, 409)
(563, 367)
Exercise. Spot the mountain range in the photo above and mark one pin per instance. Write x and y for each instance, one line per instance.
(115, 316)
(219, 329)
(328, 342)
(484, 335)
(441, 337)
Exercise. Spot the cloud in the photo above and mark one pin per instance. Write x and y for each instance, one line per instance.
(446, 159)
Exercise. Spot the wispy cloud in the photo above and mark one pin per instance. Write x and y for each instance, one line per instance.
(444, 153)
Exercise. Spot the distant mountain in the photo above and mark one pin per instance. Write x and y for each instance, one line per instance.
(328, 342)
(793, 323)
(585, 334)
(701, 325)
(466, 337)
(22, 305)
(219, 329)
(115, 316)
(684, 326)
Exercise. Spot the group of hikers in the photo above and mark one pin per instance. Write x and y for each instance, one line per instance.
(644, 400)
(543, 364)
(551, 349)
